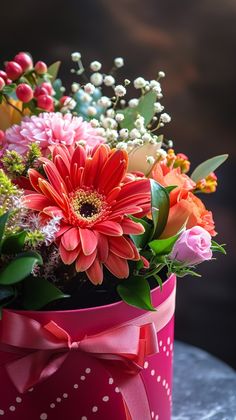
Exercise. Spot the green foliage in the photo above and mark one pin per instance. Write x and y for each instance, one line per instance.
(39, 292)
(14, 243)
(136, 292)
(163, 246)
(217, 247)
(205, 168)
(53, 70)
(20, 267)
(160, 208)
(13, 162)
(142, 240)
(145, 108)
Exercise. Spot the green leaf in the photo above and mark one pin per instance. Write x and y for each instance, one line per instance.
(136, 292)
(163, 246)
(145, 108)
(6, 293)
(19, 268)
(160, 207)
(158, 279)
(141, 240)
(3, 220)
(53, 70)
(57, 84)
(14, 243)
(8, 89)
(170, 188)
(205, 168)
(39, 292)
(217, 247)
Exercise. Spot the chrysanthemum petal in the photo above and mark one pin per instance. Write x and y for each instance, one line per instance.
(109, 228)
(117, 266)
(83, 262)
(71, 239)
(88, 241)
(95, 272)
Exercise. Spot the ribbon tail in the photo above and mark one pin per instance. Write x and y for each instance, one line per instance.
(134, 394)
(34, 368)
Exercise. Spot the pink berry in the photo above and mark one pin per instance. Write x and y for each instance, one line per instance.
(45, 102)
(40, 67)
(63, 99)
(39, 90)
(24, 60)
(13, 70)
(3, 75)
(24, 92)
(2, 83)
(48, 87)
(8, 81)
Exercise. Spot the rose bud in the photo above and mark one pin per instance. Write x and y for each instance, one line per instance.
(40, 67)
(45, 102)
(39, 90)
(24, 60)
(24, 92)
(13, 70)
(2, 83)
(192, 247)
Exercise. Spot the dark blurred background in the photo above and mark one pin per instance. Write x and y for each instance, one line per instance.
(194, 42)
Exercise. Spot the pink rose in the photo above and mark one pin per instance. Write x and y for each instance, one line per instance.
(193, 246)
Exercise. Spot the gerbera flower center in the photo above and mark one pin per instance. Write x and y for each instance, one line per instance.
(88, 206)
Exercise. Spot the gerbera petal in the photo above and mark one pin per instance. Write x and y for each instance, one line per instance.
(113, 171)
(83, 262)
(78, 157)
(88, 241)
(36, 202)
(68, 257)
(131, 188)
(132, 228)
(103, 247)
(71, 239)
(109, 228)
(121, 247)
(53, 211)
(34, 177)
(95, 272)
(117, 266)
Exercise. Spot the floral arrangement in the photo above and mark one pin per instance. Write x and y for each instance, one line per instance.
(95, 204)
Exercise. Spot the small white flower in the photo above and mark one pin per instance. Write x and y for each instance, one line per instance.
(85, 97)
(158, 107)
(119, 117)
(110, 113)
(127, 82)
(170, 143)
(124, 133)
(89, 88)
(75, 87)
(69, 103)
(146, 137)
(75, 56)
(150, 160)
(133, 103)
(91, 111)
(159, 96)
(94, 123)
(140, 83)
(161, 74)
(134, 133)
(104, 101)
(101, 131)
(95, 66)
(112, 135)
(165, 118)
(121, 145)
(109, 80)
(161, 153)
(62, 89)
(96, 79)
(120, 90)
(119, 62)
(109, 123)
(140, 122)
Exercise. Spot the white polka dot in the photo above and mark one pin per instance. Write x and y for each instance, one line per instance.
(145, 365)
(65, 395)
(12, 408)
(84, 418)
(88, 370)
(167, 353)
(117, 389)
(43, 416)
(159, 379)
(163, 382)
(106, 398)
(111, 381)
(76, 386)
(171, 347)
(152, 415)
(18, 400)
(160, 343)
(52, 405)
(58, 400)
(168, 340)
(168, 392)
(2, 412)
(95, 409)
(157, 417)
(166, 386)
(31, 389)
(82, 378)
(152, 372)
(164, 348)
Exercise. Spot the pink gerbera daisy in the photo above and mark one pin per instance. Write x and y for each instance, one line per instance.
(94, 198)
(49, 129)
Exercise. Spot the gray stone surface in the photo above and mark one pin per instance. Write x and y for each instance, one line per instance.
(204, 387)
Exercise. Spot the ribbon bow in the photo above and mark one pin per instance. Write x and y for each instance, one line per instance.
(43, 349)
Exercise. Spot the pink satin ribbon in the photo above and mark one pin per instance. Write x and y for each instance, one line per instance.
(39, 351)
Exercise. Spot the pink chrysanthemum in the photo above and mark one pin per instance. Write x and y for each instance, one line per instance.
(49, 129)
(92, 195)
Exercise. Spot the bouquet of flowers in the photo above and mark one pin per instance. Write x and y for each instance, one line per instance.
(96, 208)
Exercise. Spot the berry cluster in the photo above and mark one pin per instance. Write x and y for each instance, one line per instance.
(30, 82)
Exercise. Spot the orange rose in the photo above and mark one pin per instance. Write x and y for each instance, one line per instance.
(184, 205)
